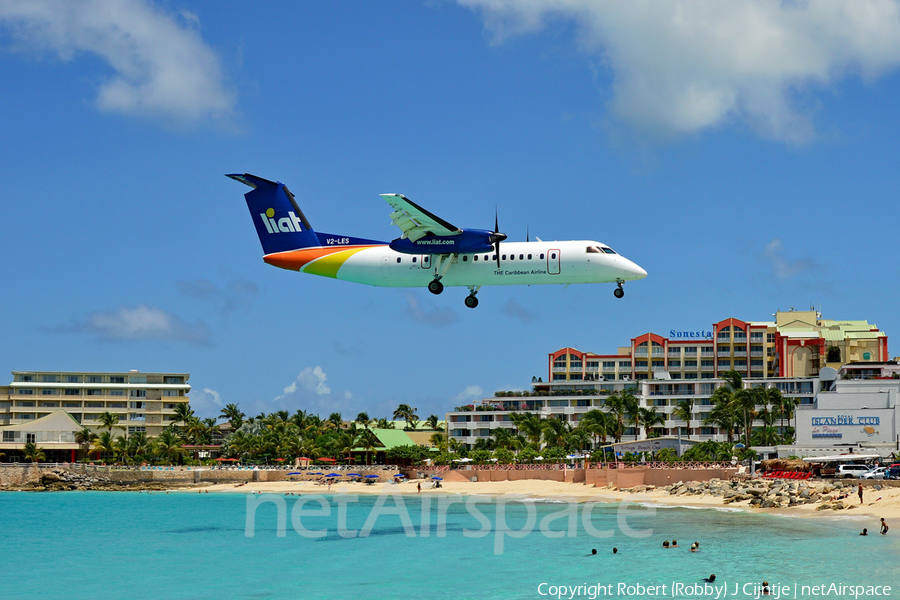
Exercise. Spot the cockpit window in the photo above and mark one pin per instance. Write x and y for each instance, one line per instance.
(608, 250)
(593, 250)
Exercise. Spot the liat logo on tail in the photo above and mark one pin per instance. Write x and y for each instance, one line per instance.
(288, 224)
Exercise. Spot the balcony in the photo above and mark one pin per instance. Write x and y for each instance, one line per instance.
(640, 354)
(756, 354)
(559, 369)
(707, 354)
(609, 369)
(740, 353)
(707, 369)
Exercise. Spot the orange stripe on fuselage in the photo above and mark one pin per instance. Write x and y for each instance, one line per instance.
(294, 260)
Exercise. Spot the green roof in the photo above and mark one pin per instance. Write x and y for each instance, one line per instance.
(390, 438)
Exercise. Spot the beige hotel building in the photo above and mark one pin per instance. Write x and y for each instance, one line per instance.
(48, 407)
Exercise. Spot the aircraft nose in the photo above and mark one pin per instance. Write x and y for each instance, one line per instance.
(631, 271)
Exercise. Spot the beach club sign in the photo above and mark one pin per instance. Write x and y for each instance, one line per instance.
(828, 427)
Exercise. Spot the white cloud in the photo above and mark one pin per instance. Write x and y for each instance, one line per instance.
(468, 395)
(206, 402)
(140, 322)
(160, 64)
(429, 314)
(781, 267)
(312, 379)
(687, 65)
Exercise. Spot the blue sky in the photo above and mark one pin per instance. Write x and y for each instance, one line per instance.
(744, 155)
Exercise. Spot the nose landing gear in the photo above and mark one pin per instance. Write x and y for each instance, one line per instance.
(619, 292)
(435, 286)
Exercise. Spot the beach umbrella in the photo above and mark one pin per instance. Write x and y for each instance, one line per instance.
(436, 478)
(538, 458)
(279, 459)
(295, 473)
(399, 475)
(316, 473)
(371, 476)
(353, 475)
(327, 459)
(333, 475)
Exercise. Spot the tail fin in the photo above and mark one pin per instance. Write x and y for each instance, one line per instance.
(280, 224)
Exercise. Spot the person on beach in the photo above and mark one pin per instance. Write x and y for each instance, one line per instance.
(765, 588)
(710, 579)
(593, 552)
(419, 487)
(864, 531)
(884, 526)
(615, 550)
(666, 544)
(674, 543)
(860, 493)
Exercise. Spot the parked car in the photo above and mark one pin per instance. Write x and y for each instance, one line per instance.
(893, 471)
(850, 471)
(874, 473)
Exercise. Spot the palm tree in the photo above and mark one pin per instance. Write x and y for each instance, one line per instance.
(109, 420)
(363, 419)
(684, 410)
(183, 412)
(31, 452)
(233, 415)
(621, 405)
(368, 440)
(434, 423)
(503, 438)
(138, 444)
(407, 413)
(722, 416)
(648, 417)
(555, 431)
(168, 446)
(384, 424)
(597, 423)
(439, 441)
(105, 444)
(529, 425)
(85, 438)
(334, 421)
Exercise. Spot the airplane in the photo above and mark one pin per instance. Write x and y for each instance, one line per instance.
(429, 253)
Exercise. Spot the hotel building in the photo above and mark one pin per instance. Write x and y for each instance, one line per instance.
(47, 407)
(660, 371)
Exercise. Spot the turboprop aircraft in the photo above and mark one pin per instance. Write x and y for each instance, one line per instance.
(430, 252)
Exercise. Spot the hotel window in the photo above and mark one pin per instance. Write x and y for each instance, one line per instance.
(658, 364)
(28, 403)
(625, 364)
(73, 392)
(171, 392)
(137, 429)
(117, 405)
(116, 392)
(9, 436)
(137, 379)
(582, 403)
(136, 404)
(691, 350)
(690, 363)
(707, 431)
(609, 364)
(756, 336)
(72, 404)
(707, 363)
(640, 364)
(26, 392)
(740, 364)
(724, 364)
(757, 363)
(49, 404)
(117, 379)
(49, 378)
(26, 378)
(136, 417)
(690, 376)
(138, 393)
(95, 379)
(675, 364)
(770, 338)
(95, 392)
(49, 392)
(575, 376)
(93, 405)
(73, 379)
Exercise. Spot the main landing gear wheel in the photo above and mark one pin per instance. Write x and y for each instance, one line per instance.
(435, 287)
(471, 301)
(619, 292)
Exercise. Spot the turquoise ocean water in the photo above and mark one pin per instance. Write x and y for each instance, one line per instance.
(194, 546)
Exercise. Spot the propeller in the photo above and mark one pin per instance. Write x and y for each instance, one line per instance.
(497, 237)
(527, 238)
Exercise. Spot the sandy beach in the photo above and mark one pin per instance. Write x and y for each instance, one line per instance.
(877, 503)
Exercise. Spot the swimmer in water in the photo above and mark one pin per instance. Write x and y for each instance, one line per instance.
(710, 579)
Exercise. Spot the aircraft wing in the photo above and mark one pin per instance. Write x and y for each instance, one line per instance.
(415, 221)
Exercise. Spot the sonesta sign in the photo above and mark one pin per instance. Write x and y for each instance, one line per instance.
(697, 335)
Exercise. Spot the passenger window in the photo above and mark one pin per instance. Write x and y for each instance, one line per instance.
(475, 258)
(521, 257)
(414, 259)
(465, 258)
(542, 256)
(529, 257)
(511, 257)
(553, 255)
(398, 259)
(504, 257)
